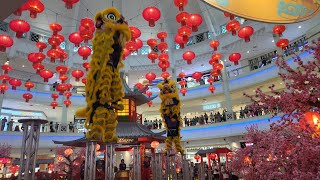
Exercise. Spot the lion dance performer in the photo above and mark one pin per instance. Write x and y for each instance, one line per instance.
(104, 86)
(170, 112)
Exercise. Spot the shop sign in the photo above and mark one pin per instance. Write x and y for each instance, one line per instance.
(211, 106)
(271, 11)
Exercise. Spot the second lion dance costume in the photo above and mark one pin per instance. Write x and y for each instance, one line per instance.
(104, 85)
(170, 112)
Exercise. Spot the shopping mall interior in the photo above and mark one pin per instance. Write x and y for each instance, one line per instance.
(159, 89)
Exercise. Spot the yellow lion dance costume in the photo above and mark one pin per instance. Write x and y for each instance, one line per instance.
(104, 85)
(170, 112)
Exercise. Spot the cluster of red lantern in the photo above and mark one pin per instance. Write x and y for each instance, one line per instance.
(278, 30)
(5, 77)
(135, 43)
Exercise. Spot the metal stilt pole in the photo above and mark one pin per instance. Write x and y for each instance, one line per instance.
(167, 175)
(30, 143)
(90, 161)
(109, 175)
(173, 167)
(158, 171)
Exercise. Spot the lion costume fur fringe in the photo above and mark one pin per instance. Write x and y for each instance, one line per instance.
(104, 85)
(171, 111)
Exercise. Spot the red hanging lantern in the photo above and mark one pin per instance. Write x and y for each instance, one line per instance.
(39, 57)
(3, 88)
(188, 56)
(214, 44)
(139, 43)
(180, 4)
(126, 53)
(279, 29)
(230, 155)
(63, 78)
(149, 103)
(35, 7)
(149, 93)
(70, 3)
(84, 81)
(211, 88)
(194, 21)
(245, 33)
(87, 23)
(197, 76)
(152, 43)
(218, 66)
(135, 32)
(86, 65)
(85, 52)
(183, 91)
(27, 96)
(62, 69)
(179, 40)
(15, 83)
(19, 26)
(210, 80)
(151, 14)
(69, 86)
(153, 56)
(86, 34)
(38, 67)
(282, 43)
(182, 75)
(59, 36)
(75, 38)
(46, 74)
(5, 42)
(54, 104)
(215, 73)
(6, 68)
(162, 36)
(182, 17)
(197, 157)
(67, 102)
(55, 96)
(231, 16)
(212, 156)
(182, 83)
(150, 76)
(312, 119)
(53, 54)
(54, 42)
(163, 46)
(4, 78)
(62, 88)
(164, 65)
(77, 74)
(165, 75)
(163, 57)
(216, 56)
(24, 7)
(185, 32)
(235, 57)
(41, 46)
(55, 28)
(68, 94)
(233, 26)
(28, 85)
(213, 61)
(32, 58)
(131, 46)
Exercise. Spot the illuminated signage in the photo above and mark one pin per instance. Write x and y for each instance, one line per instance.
(211, 106)
(22, 113)
(272, 11)
(125, 141)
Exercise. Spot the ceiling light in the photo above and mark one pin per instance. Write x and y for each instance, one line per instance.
(299, 27)
(281, 83)
(225, 60)
(272, 41)
(248, 51)
(22, 65)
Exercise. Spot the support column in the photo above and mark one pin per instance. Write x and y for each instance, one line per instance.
(29, 148)
(226, 91)
(136, 163)
(1, 101)
(64, 117)
(90, 161)
(158, 166)
(185, 170)
(109, 171)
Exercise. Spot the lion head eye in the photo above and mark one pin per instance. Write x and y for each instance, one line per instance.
(111, 16)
